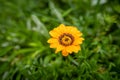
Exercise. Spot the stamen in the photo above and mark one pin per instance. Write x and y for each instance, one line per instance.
(66, 39)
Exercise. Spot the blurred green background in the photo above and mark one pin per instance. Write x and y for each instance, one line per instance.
(25, 53)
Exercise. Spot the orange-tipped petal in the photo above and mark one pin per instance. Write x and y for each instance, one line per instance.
(64, 53)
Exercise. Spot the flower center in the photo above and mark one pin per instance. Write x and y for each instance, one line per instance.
(66, 39)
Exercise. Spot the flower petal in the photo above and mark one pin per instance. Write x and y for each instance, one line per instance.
(64, 53)
(52, 40)
(73, 48)
(76, 48)
(69, 49)
(54, 34)
(61, 28)
(54, 45)
(59, 48)
(78, 41)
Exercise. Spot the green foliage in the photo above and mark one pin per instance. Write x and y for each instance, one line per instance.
(25, 53)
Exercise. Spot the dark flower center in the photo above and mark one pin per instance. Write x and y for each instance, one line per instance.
(66, 39)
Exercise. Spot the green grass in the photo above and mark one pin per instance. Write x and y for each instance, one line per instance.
(26, 55)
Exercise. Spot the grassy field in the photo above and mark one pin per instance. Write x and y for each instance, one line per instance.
(24, 31)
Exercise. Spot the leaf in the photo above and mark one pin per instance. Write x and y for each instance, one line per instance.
(55, 11)
(40, 27)
(5, 50)
(67, 12)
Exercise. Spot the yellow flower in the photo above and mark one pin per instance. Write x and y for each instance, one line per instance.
(66, 39)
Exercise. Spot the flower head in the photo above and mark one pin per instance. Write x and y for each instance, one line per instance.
(66, 39)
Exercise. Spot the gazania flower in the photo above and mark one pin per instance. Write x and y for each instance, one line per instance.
(66, 39)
